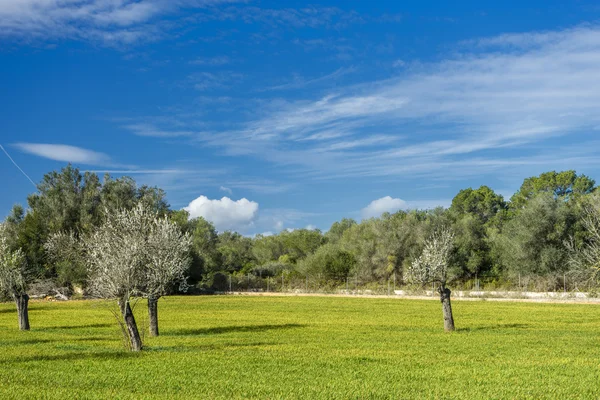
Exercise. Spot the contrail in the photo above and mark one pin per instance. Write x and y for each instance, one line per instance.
(16, 165)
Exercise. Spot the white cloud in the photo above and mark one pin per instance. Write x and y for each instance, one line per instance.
(384, 204)
(144, 129)
(453, 118)
(213, 61)
(65, 153)
(299, 82)
(107, 21)
(311, 227)
(225, 213)
(226, 190)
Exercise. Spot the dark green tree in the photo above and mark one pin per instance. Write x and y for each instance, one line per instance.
(337, 229)
(564, 185)
(533, 242)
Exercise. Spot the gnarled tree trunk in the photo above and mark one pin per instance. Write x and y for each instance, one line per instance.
(22, 301)
(446, 308)
(153, 314)
(135, 342)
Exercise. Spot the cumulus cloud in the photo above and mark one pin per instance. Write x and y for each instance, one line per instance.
(384, 204)
(225, 213)
(65, 153)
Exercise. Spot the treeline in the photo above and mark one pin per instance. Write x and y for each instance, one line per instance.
(527, 241)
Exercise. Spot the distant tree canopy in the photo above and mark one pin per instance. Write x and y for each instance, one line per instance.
(535, 234)
(566, 185)
(483, 204)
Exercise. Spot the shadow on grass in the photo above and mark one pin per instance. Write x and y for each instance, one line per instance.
(493, 327)
(92, 339)
(204, 347)
(25, 342)
(53, 328)
(99, 356)
(8, 311)
(228, 329)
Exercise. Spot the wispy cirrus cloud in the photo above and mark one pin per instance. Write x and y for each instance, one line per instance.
(507, 92)
(150, 130)
(211, 61)
(226, 190)
(303, 17)
(300, 82)
(107, 21)
(65, 153)
(126, 22)
(204, 80)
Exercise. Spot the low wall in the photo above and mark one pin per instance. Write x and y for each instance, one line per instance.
(507, 295)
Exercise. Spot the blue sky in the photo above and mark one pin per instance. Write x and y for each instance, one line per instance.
(267, 115)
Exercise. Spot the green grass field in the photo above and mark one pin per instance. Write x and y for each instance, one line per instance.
(305, 347)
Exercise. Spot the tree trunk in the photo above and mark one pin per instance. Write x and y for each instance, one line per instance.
(446, 308)
(22, 301)
(153, 314)
(135, 342)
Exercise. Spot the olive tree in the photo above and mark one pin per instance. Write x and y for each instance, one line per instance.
(432, 267)
(14, 277)
(114, 256)
(134, 253)
(585, 260)
(167, 261)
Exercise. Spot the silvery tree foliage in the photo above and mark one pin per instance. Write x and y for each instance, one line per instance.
(167, 261)
(65, 249)
(63, 246)
(432, 267)
(586, 260)
(167, 251)
(134, 253)
(14, 277)
(115, 254)
(12, 266)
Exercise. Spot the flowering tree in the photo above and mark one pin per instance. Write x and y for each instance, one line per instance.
(432, 267)
(14, 277)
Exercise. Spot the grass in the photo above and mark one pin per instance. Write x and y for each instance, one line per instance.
(226, 347)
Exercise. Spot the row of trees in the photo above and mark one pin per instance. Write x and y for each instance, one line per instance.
(77, 226)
